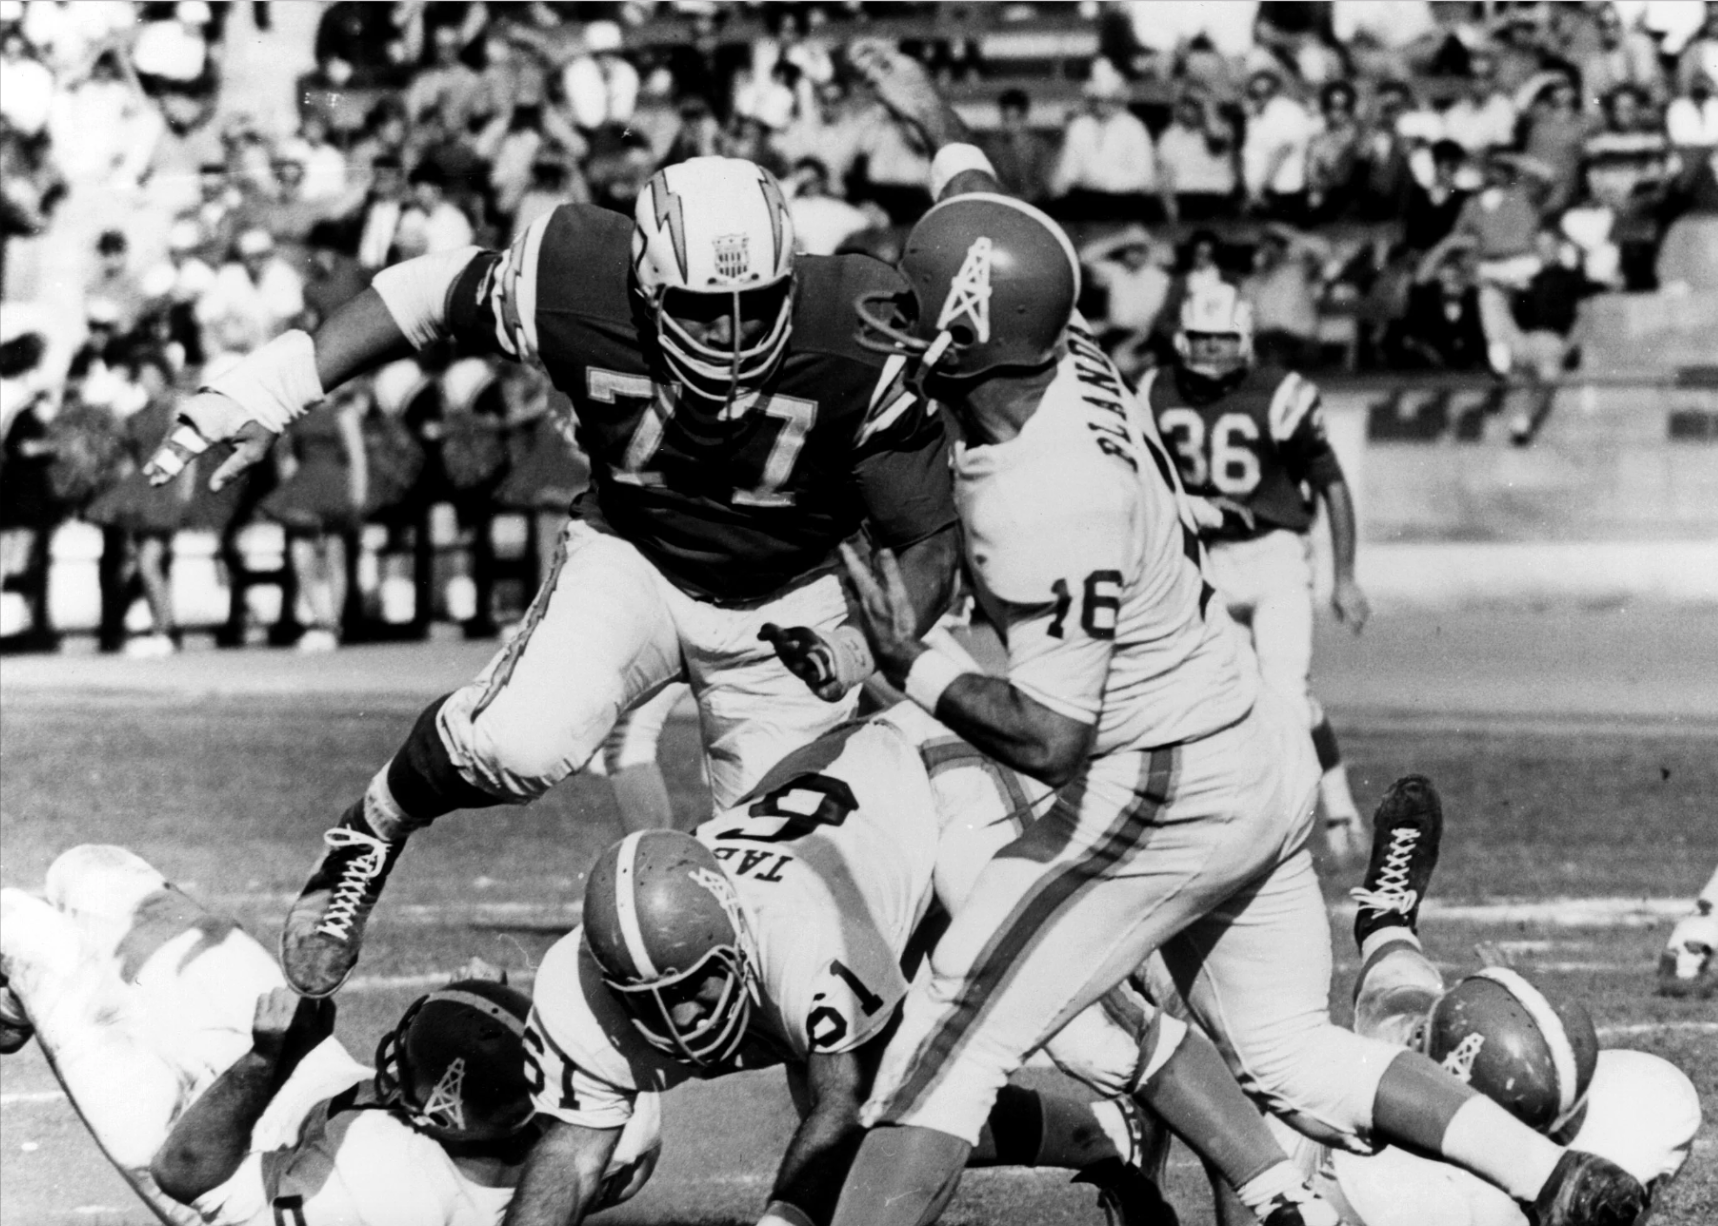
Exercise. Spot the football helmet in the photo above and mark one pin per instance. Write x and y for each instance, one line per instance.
(991, 284)
(1505, 1038)
(711, 237)
(668, 931)
(1215, 309)
(455, 1065)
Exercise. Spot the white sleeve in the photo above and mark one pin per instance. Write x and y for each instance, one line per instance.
(415, 293)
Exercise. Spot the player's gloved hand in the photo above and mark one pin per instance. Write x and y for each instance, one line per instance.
(480, 968)
(885, 611)
(204, 419)
(829, 666)
(1689, 964)
(899, 81)
(288, 1026)
(1350, 603)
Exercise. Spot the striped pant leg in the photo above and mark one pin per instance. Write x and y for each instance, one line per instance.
(1131, 852)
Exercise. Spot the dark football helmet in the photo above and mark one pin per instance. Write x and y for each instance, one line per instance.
(455, 1065)
(1506, 1039)
(991, 284)
(668, 931)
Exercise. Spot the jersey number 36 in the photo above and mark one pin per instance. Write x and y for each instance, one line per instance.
(1228, 460)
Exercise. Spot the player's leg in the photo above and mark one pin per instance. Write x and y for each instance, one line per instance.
(629, 758)
(1689, 964)
(597, 637)
(1398, 985)
(753, 711)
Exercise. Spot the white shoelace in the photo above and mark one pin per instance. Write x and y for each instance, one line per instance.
(355, 878)
(1392, 893)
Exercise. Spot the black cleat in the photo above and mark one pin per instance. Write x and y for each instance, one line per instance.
(324, 930)
(1406, 831)
(15, 1027)
(1127, 1195)
(1302, 1208)
(1586, 1190)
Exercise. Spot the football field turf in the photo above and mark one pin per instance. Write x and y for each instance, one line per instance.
(228, 795)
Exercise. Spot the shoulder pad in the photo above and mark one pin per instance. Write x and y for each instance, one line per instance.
(825, 317)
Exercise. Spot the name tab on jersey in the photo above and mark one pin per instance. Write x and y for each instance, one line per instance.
(1102, 389)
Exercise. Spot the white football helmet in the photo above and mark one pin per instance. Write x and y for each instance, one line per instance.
(716, 227)
(1215, 309)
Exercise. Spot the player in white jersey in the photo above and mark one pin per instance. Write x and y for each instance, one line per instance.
(778, 936)
(1186, 788)
(223, 1098)
(1535, 1055)
(1689, 964)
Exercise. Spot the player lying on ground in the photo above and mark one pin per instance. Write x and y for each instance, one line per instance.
(1689, 964)
(1255, 462)
(777, 936)
(1537, 1057)
(223, 1097)
(723, 402)
(1186, 787)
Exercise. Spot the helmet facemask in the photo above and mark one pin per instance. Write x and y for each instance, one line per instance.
(724, 372)
(720, 1032)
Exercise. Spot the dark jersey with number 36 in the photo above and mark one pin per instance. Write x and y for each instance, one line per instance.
(1261, 446)
(729, 510)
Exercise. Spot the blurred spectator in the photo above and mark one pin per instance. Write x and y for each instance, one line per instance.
(1166, 28)
(1484, 116)
(1107, 170)
(749, 137)
(321, 501)
(552, 184)
(333, 276)
(1622, 56)
(113, 282)
(385, 134)
(1691, 120)
(452, 158)
(821, 221)
(325, 170)
(618, 167)
(1546, 309)
(1299, 35)
(287, 215)
(67, 35)
(1555, 137)
(1441, 328)
(600, 85)
(1430, 212)
(144, 516)
(1379, 34)
(29, 506)
(1283, 287)
(1700, 56)
(431, 223)
(830, 131)
(1273, 152)
(514, 75)
(26, 85)
(657, 115)
(447, 85)
(700, 133)
(1387, 164)
(255, 297)
(1137, 288)
(1334, 169)
(1196, 158)
(1627, 166)
(171, 50)
(216, 215)
(1024, 160)
(359, 46)
(511, 146)
(175, 286)
(104, 130)
(1501, 226)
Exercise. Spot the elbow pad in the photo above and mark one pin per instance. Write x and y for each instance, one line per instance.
(415, 293)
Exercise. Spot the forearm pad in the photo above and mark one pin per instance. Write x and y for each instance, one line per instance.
(273, 387)
(415, 293)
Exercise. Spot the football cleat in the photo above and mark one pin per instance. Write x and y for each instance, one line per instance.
(1303, 1207)
(15, 1027)
(1688, 967)
(1586, 1190)
(1127, 1195)
(325, 928)
(1406, 831)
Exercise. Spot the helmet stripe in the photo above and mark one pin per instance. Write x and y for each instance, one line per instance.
(483, 1005)
(1551, 1026)
(626, 906)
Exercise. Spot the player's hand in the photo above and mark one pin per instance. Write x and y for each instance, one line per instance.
(885, 611)
(1351, 606)
(899, 81)
(477, 967)
(808, 656)
(205, 419)
(1689, 964)
(287, 1026)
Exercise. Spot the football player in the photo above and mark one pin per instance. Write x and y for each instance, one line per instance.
(1250, 444)
(778, 935)
(1689, 964)
(721, 398)
(1538, 1057)
(1186, 789)
(223, 1098)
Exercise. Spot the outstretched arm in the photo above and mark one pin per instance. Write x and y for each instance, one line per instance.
(563, 1176)
(212, 1138)
(904, 87)
(1347, 599)
(815, 1164)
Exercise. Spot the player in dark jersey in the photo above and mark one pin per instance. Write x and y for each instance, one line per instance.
(732, 426)
(1250, 443)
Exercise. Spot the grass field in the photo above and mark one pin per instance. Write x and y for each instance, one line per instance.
(228, 798)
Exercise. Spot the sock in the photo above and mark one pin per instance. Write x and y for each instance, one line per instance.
(642, 795)
(903, 1176)
(1425, 1110)
(1325, 746)
(420, 783)
(1280, 1180)
(1380, 939)
(1195, 1095)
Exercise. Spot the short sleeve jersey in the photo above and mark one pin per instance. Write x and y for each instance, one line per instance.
(729, 510)
(1080, 547)
(1261, 446)
(321, 1157)
(832, 856)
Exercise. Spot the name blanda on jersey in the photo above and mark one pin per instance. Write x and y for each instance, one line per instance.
(1103, 390)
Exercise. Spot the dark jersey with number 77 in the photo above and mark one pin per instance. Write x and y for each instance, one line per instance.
(735, 506)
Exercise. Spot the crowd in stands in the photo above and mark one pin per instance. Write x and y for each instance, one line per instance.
(1393, 186)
